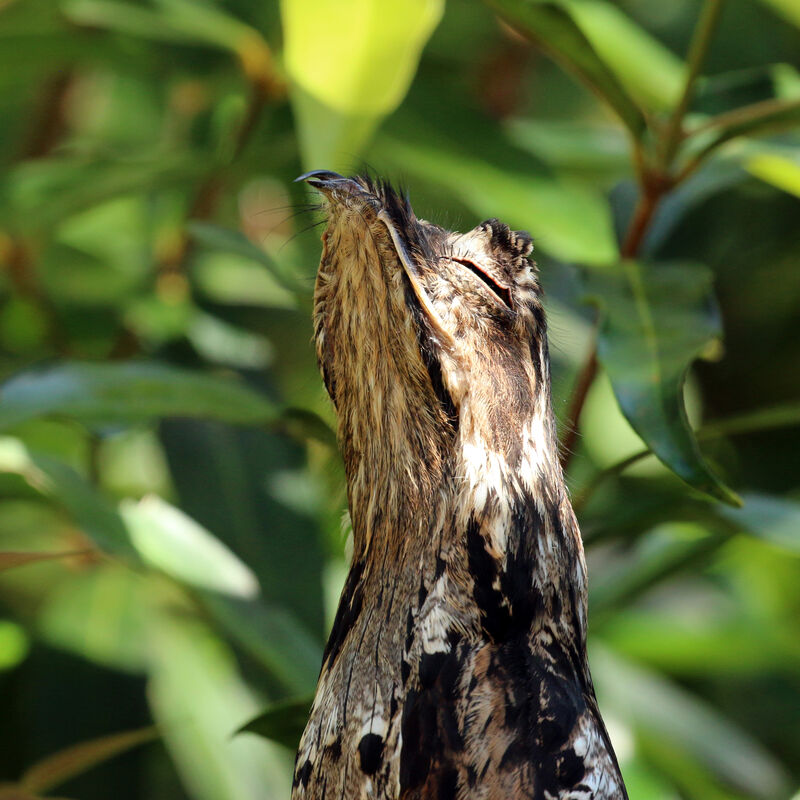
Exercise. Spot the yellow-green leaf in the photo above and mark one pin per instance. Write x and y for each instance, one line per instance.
(350, 64)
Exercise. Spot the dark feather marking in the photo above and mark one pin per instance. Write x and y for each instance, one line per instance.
(370, 753)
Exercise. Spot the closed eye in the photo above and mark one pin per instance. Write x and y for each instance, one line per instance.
(501, 291)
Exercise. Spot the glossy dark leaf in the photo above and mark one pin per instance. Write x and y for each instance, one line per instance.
(283, 722)
(656, 320)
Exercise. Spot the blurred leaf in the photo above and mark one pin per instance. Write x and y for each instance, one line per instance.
(347, 76)
(663, 710)
(652, 74)
(658, 558)
(774, 519)
(38, 194)
(55, 480)
(231, 496)
(553, 26)
(781, 170)
(569, 221)
(60, 767)
(788, 9)
(9, 560)
(128, 392)
(273, 636)
(169, 540)
(283, 722)
(757, 119)
(181, 22)
(217, 238)
(100, 613)
(200, 700)
(13, 644)
(304, 424)
(656, 319)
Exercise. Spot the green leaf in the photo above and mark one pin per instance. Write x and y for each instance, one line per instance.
(659, 557)
(282, 722)
(553, 26)
(200, 699)
(779, 169)
(657, 708)
(569, 221)
(91, 511)
(225, 240)
(788, 9)
(656, 320)
(652, 74)
(347, 76)
(60, 767)
(128, 392)
(773, 519)
(169, 540)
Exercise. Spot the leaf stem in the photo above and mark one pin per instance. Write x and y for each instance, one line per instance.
(701, 40)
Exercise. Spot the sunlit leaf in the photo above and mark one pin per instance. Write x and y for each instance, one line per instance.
(283, 722)
(568, 220)
(169, 540)
(553, 26)
(652, 74)
(347, 76)
(126, 392)
(656, 319)
(781, 170)
(60, 767)
(13, 644)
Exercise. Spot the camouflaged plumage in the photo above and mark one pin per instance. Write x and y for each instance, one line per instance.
(456, 667)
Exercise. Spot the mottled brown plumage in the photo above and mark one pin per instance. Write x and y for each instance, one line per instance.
(456, 667)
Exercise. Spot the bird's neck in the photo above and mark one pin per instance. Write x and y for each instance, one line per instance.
(495, 520)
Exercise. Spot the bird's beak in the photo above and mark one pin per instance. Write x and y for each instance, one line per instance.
(327, 181)
(331, 183)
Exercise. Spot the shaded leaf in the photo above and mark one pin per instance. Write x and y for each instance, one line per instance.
(173, 542)
(553, 27)
(757, 119)
(657, 559)
(788, 9)
(282, 722)
(656, 319)
(231, 496)
(126, 392)
(273, 636)
(346, 77)
(60, 767)
(658, 708)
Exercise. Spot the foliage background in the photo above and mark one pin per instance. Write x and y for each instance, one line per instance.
(170, 498)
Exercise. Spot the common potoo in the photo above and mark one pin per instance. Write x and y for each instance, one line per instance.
(456, 667)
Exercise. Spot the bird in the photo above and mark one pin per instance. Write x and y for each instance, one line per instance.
(456, 666)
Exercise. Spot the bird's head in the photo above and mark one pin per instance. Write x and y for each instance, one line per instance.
(426, 338)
